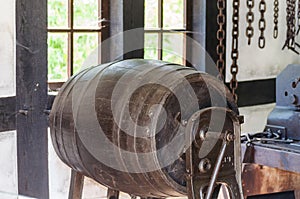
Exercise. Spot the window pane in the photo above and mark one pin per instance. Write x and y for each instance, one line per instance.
(173, 47)
(173, 16)
(57, 57)
(151, 46)
(57, 13)
(151, 13)
(86, 14)
(85, 44)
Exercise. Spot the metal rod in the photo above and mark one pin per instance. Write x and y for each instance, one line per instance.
(216, 169)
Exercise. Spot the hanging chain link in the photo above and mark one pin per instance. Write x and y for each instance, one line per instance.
(298, 18)
(235, 51)
(250, 20)
(221, 19)
(290, 42)
(262, 24)
(276, 16)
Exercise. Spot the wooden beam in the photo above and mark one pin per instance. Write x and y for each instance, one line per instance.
(133, 18)
(211, 40)
(76, 185)
(196, 37)
(105, 31)
(202, 30)
(256, 92)
(112, 194)
(31, 98)
(280, 158)
(122, 17)
(7, 114)
(262, 180)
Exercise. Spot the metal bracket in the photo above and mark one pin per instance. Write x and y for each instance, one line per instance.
(280, 130)
(216, 132)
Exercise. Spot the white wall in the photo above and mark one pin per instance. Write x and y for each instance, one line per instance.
(255, 117)
(256, 63)
(59, 173)
(8, 162)
(7, 48)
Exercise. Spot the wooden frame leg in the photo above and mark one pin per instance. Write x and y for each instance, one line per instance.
(76, 185)
(112, 194)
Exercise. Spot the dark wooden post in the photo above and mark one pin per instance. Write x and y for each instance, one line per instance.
(122, 16)
(133, 18)
(202, 30)
(31, 99)
(112, 194)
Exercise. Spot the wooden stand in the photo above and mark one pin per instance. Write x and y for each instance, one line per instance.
(263, 180)
(270, 171)
(76, 187)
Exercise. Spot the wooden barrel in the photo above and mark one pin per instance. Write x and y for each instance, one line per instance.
(122, 123)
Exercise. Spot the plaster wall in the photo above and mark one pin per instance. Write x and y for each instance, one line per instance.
(256, 63)
(7, 48)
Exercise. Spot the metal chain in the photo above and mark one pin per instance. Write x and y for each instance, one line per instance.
(250, 20)
(235, 51)
(262, 24)
(221, 19)
(298, 18)
(290, 42)
(276, 16)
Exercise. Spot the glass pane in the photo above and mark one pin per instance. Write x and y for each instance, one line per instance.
(57, 13)
(173, 47)
(85, 44)
(151, 46)
(57, 57)
(86, 14)
(173, 16)
(151, 13)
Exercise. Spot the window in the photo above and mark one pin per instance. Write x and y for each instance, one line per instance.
(73, 33)
(165, 30)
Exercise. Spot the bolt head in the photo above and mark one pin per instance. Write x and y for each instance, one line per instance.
(294, 99)
(205, 165)
(230, 137)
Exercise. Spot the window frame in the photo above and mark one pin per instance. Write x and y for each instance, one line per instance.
(71, 31)
(160, 30)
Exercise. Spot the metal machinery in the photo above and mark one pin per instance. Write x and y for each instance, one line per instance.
(276, 151)
(284, 119)
(150, 129)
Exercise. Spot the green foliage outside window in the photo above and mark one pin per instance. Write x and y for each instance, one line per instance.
(86, 16)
